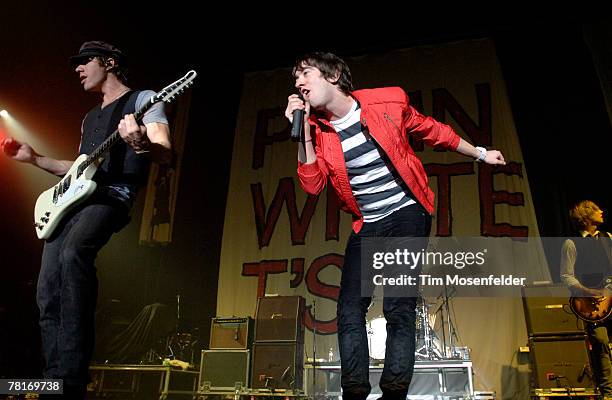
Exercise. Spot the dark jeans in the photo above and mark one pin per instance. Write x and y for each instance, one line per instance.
(399, 311)
(600, 356)
(68, 288)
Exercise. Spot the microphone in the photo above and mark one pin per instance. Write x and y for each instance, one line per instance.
(297, 129)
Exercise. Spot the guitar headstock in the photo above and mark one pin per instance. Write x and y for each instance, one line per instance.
(170, 92)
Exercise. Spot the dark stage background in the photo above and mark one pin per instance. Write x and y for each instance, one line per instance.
(555, 95)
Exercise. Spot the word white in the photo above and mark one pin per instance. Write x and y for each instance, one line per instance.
(411, 259)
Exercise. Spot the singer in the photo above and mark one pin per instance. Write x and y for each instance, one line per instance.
(357, 141)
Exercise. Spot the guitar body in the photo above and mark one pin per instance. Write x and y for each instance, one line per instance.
(592, 309)
(54, 203)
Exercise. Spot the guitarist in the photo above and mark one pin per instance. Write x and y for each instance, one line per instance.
(67, 283)
(584, 266)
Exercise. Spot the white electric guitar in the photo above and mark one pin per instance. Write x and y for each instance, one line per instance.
(77, 185)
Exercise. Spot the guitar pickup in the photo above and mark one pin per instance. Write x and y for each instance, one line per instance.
(65, 184)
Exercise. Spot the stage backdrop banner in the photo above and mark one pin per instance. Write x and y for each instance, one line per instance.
(162, 186)
(278, 240)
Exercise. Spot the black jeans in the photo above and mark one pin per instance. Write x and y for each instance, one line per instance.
(68, 288)
(410, 221)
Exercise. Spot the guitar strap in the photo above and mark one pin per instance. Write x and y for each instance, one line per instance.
(117, 154)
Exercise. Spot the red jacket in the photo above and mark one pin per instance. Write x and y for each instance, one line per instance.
(388, 115)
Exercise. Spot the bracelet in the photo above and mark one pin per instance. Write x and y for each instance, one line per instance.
(483, 153)
(309, 140)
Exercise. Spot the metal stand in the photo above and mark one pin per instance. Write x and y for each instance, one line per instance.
(428, 349)
(448, 326)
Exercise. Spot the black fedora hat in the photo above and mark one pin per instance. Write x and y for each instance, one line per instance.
(97, 48)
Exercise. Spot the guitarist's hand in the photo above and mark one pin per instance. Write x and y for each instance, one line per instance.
(133, 134)
(18, 151)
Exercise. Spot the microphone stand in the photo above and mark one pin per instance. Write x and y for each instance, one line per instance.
(178, 311)
(448, 321)
(440, 309)
(314, 339)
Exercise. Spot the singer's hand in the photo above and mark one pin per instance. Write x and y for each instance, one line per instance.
(295, 103)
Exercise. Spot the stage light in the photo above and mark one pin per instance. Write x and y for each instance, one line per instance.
(33, 179)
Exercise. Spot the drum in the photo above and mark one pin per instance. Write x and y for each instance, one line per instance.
(376, 329)
(428, 346)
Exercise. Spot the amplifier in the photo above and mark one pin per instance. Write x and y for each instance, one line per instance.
(278, 366)
(231, 333)
(560, 362)
(224, 370)
(547, 311)
(279, 319)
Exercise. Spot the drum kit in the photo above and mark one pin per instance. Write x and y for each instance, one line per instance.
(429, 346)
(181, 344)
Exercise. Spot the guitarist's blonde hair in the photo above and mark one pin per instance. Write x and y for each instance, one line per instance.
(581, 213)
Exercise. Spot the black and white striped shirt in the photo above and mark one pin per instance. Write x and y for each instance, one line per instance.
(374, 186)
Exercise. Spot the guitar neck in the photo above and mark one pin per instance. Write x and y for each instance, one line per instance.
(113, 138)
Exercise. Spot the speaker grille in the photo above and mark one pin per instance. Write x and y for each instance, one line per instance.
(278, 365)
(231, 333)
(560, 361)
(222, 369)
(547, 311)
(279, 319)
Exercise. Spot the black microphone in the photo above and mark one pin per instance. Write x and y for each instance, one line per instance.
(297, 129)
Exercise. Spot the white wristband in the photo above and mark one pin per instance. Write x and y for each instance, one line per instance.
(483, 153)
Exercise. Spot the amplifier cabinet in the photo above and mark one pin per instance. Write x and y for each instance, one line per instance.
(560, 362)
(223, 370)
(279, 319)
(547, 311)
(231, 333)
(278, 366)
